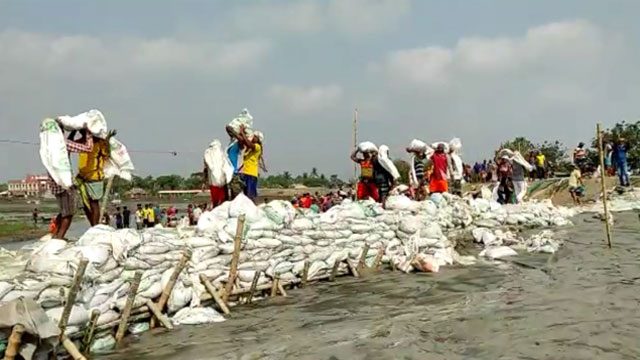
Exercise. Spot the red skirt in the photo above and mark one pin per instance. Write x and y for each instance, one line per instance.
(367, 190)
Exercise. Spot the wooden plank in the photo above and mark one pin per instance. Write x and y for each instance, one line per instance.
(363, 257)
(155, 310)
(604, 186)
(90, 332)
(254, 284)
(334, 270)
(305, 273)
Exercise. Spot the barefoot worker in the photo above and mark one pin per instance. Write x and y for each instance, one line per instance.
(67, 197)
(90, 179)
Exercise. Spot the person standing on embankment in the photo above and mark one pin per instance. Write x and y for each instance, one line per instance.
(252, 162)
(366, 186)
(441, 162)
(67, 197)
(620, 159)
(90, 179)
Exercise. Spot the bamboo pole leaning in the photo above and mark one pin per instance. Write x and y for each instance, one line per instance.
(166, 292)
(90, 332)
(15, 340)
(71, 298)
(124, 319)
(214, 294)
(237, 245)
(604, 186)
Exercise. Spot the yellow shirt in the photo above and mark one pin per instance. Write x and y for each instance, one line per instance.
(574, 179)
(541, 159)
(251, 159)
(151, 217)
(90, 165)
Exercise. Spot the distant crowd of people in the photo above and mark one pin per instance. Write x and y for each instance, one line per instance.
(150, 215)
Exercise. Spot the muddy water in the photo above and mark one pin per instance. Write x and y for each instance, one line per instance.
(582, 303)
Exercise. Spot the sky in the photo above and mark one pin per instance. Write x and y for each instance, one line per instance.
(170, 75)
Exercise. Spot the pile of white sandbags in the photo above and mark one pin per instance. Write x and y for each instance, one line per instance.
(277, 240)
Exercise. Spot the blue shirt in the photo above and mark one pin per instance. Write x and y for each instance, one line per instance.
(233, 152)
(620, 154)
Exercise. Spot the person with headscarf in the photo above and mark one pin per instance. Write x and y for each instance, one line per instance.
(385, 173)
(505, 178)
(457, 172)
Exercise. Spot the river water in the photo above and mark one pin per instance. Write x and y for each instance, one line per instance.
(582, 303)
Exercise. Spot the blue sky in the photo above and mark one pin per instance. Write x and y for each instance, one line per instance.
(169, 75)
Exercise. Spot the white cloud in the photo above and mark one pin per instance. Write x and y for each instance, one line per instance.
(299, 100)
(564, 51)
(351, 17)
(82, 57)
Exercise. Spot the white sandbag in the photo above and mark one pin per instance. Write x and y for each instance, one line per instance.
(92, 119)
(417, 145)
(103, 345)
(367, 146)
(243, 205)
(280, 212)
(138, 328)
(387, 164)
(199, 241)
(196, 316)
(498, 252)
(119, 162)
(244, 118)
(107, 317)
(402, 202)
(219, 167)
(435, 145)
(54, 154)
(5, 288)
(180, 297)
(79, 315)
(455, 145)
(301, 224)
(410, 224)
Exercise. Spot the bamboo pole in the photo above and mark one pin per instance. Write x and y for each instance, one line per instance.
(126, 312)
(274, 285)
(105, 199)
(71, 298)
(355, 145)
(157, 313)
(90, 332)
(281, 289)
(305, 273)
(363, 257)
(604, 186)
(13, 346)
(72, 349)
(378, 261)
(353, 270)
(334, 270)
(254, 283)
(237, 245)
(166, 292)
(214, 294)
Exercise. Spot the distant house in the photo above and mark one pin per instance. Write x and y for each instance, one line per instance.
(136, 193)
(31, 186)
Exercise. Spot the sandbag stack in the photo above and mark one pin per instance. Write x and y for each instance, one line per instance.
(277, 240)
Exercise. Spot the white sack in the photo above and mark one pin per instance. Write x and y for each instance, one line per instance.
(196, 316)
(54, 154)
(218, 164)
(367, 146)
(387, 164)
(93, 119)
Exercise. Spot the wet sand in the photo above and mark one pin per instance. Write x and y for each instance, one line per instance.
(581, 303)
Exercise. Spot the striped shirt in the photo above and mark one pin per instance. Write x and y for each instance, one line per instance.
(72, 147)
(418, 166)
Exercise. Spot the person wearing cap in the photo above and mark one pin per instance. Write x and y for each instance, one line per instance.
(576, 186)
(252, 161)
(366, 186)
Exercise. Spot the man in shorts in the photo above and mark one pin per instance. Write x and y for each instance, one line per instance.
(67, 197)
(576, 186)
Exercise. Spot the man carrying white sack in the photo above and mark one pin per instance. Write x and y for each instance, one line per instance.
(367, 188)
(67, 197)
(457, 170)
(520, 170)
(218, 172)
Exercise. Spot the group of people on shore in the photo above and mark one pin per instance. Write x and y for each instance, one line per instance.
(150, 215)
